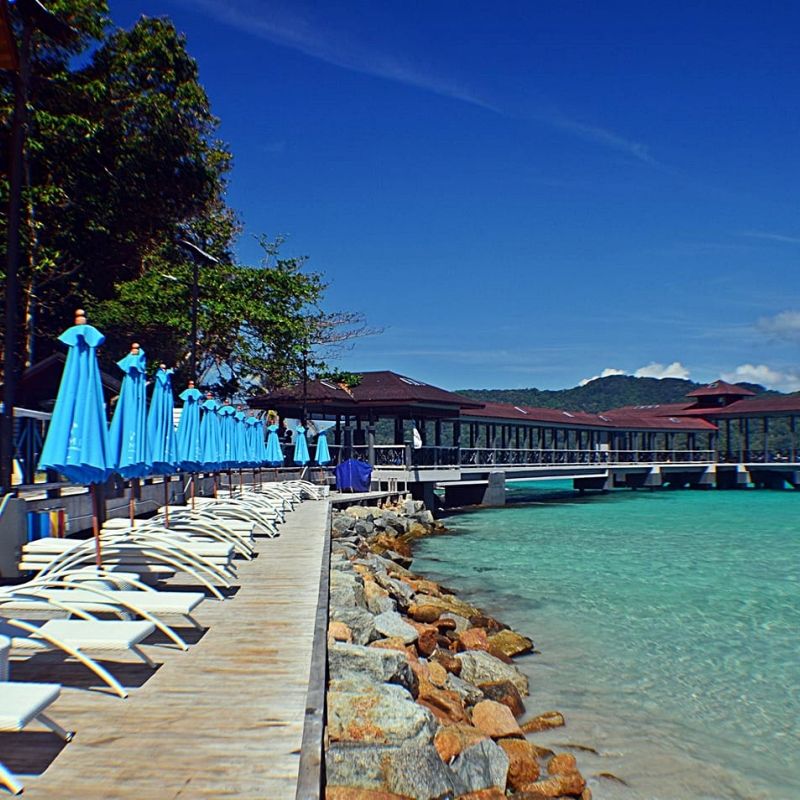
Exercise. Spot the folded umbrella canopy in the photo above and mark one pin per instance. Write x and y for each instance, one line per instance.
(301, 457)
(274, 453)
(323, 454)
(227, 430)
(161, 430)
(190, 451)
(77, 443)
(130, 444)
(252, 429)
(209, 436)
(128, 437)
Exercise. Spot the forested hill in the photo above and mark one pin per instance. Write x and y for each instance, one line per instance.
(600, 394)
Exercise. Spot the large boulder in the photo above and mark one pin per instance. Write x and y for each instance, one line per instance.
(346, 589)
(447, 602)
(450, 740)
(382, 666)
(509, 643)
(377, 598)
(495, 719)
(358, 620)
(392, 625)
(479, 667)
(481, 766)
(544, 722)
(361, 512)
(380, 714)
(523, 766)
(506, 693)
(466, 691)
(412, 770)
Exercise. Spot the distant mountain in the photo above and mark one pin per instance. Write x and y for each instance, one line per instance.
(600, 394)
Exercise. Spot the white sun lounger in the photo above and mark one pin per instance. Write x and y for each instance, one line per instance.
(20, 703)
(77, 637)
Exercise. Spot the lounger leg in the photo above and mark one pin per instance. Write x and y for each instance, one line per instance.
(146, 658)
(193, 621)
(67, 736)
(14, 786)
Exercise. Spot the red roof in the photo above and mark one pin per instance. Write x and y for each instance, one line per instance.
(721, 389)
(756, 406)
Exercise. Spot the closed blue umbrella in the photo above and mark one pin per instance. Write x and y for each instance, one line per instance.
(130, 444)
(161, 431)
(190, 454)
(161, 424)
(241, 451)
(323, 455)
(209, 436)
(301, 457)
(274, 454)
(77, 439)
(227, 436)
(252, 427)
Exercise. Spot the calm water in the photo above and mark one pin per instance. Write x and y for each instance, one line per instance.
(668, 625)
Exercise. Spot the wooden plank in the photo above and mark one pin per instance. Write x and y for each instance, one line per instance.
(224, 719)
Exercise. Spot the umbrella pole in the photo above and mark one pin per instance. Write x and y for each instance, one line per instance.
(241, 482)
(96, 525)
(194, 478)
(214, 484)
(230, 483)
(166, 501)
(132, 503)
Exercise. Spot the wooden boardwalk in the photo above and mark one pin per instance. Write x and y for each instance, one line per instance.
(223, 720)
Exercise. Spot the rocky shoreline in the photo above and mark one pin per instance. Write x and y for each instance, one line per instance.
(423, 697)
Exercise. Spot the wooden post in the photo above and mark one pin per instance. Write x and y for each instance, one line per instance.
(765, 427)
(793, 440)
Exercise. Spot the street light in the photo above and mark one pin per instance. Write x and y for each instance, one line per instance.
(198, 255)
(17, 59)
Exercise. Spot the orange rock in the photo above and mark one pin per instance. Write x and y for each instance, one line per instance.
(485, 621)
(509, 643)
(523, 767)
(339, 632)
(495, 719)
(437, 674)
(562, 764)
(541, 752)
(428, 642)
(350, 793)
(569, 783)
(550, 719)
(450, 740)
(586, 794)
(474, 639)
(445, 624)
(445, 705)
(484, 794)
(424, 613)
(393, 643)
(506, 693)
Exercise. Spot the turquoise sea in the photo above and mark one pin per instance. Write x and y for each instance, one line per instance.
(667, 625)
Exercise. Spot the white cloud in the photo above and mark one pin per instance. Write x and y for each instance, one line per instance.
(784, 381)
(651, 370)
(785, 325)
(656, 370)
(773, 237)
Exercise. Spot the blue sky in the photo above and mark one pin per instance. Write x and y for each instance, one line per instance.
(523, 193)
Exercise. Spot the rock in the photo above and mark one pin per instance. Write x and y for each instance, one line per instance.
(359, 620)
(424, 586)
(401, 591)
(484, 794)
(377, 598)
(360, 512)
(448, 603)
(445, 705)
(466, 691)
(506, 693)
(509, 643)
(586, 794)
(462, 623)
(382, 666)
(495, 719)
(474, 639)
(478, 667)
(393, 555)
(339, 632)
(543, 722)
(363, 527)
(428, 642)
(448, 661)
(481, 766)
(437, 674)
(610, 776)
(393, 643)
(391, 624)
(479, 620)
(523, 766)
(562, 763)
(384, 714)
(416, 771)
(349, 793)
(570, 784)
(416, 530)
(424, 613)
(450, 740)
(541, 752)
(341, 524)
(346, 589)
(445, 625)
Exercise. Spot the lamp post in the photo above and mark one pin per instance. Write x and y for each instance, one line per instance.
(198, 255)
(17, 59)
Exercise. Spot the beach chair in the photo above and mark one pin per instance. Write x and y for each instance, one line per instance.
(78, 637)
(20, 704)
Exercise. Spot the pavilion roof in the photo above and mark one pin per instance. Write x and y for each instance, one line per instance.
(721, 389)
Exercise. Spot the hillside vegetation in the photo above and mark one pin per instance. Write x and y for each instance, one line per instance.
(600, 394)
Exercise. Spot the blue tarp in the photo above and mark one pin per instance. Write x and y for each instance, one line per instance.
(353, 476)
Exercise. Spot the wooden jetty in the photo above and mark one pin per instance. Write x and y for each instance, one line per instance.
(225, 719)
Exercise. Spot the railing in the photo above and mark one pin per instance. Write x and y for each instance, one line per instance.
(758, 456)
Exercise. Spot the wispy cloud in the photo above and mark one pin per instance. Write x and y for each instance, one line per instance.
(772, 378)
(785, 326)
(337, 47)
(651, 370)
(772, 237)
